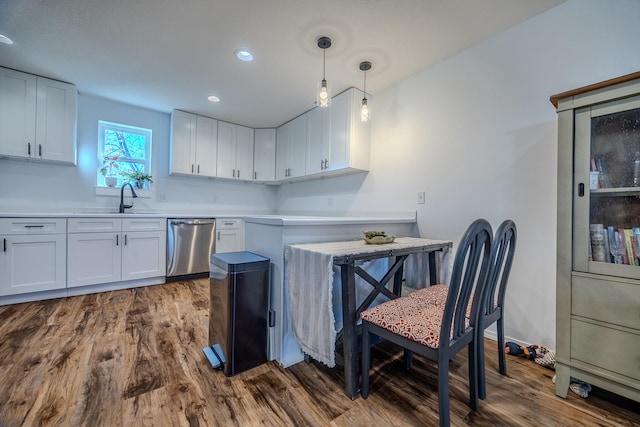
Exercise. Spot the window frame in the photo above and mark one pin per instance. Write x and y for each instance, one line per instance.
(104, 126)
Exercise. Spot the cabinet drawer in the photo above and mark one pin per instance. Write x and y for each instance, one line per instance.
(607, 301)
(144, 224)
(94, 225)
(33, 225)
(228, 224)
(605, 348)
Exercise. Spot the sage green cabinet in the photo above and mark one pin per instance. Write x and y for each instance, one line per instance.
(598, 269)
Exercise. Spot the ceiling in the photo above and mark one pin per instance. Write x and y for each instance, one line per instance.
(166, 54)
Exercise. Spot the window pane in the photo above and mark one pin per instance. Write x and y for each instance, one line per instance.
(122, 150)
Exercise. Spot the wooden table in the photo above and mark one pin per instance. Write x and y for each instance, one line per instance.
(348, 256)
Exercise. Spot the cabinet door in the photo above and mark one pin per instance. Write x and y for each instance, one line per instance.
(298, 147)
(244, 153)
(318, 127)
(606, 223)
(283, 143)
(264, 155)
(206, 146)
(226, 150)
(32, 263)
(183, 143)
(56, 121)
(94, 258)
(340, 130)
(17, 113)
(144, 254)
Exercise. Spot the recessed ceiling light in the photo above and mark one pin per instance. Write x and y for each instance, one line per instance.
(5, 39)
(213, 98)
(243, 55)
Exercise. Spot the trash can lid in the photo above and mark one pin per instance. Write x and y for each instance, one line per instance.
(234, 262)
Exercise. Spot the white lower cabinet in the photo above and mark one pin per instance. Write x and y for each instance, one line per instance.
(229, 235)
(105, 250)
(33, 257)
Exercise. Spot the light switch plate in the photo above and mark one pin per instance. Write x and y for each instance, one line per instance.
(421, 197)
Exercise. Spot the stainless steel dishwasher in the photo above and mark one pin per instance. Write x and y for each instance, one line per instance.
(190, 243)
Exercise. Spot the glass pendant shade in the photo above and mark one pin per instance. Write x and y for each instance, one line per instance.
(324, 94)
(364, 111)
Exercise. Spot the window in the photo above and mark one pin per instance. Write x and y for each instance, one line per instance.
(124, 154)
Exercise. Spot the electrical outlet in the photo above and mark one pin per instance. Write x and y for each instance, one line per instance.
(421, 197)
(162, 197)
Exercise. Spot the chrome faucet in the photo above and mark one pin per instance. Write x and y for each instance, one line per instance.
(133, 194)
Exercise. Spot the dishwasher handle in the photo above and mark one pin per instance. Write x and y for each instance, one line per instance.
(192, 221)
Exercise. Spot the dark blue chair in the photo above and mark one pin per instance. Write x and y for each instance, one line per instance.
(492, 311)
(436, 331)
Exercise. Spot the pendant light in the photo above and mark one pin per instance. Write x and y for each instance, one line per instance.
(364, 110)
(324, 92)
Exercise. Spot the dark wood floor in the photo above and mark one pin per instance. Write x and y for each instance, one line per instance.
(134, 358)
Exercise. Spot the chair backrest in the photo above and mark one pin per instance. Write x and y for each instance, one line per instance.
(502, 250)
(470, 267)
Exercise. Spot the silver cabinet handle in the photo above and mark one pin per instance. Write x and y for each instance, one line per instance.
(5, 245)
(234, 173)
(40, 150)
(117, 240)
(33, 226)
(218, 235)
(238, 173)
(255, 175)
(191, 167)
(125, 240)
(198, 169)
(29, 149)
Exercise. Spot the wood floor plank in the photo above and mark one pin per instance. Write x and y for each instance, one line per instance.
(134, 357)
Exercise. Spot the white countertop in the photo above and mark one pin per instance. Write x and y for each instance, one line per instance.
(278, 220)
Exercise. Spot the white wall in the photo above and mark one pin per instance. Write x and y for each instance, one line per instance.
(39, 187)
(477, 133)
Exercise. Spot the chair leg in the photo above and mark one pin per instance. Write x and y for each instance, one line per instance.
(366, 361)
(480, 374)
(408, 359)
(443, 392)
(502, 362)
(474, 374)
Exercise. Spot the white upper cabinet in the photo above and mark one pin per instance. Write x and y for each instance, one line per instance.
(235, 151)
(349, 136)
(291, 149)
(194, 144)
(264, 155)
(37, 117)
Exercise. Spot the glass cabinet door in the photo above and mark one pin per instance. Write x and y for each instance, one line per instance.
(607, 189)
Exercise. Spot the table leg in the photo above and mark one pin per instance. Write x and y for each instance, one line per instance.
(433, 268)
(397, 280)
(349, 330)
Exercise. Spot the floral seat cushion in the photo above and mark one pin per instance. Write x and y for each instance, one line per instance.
(437, 295)
(409, 317)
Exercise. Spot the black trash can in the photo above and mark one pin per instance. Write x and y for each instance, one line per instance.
(239, 307)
